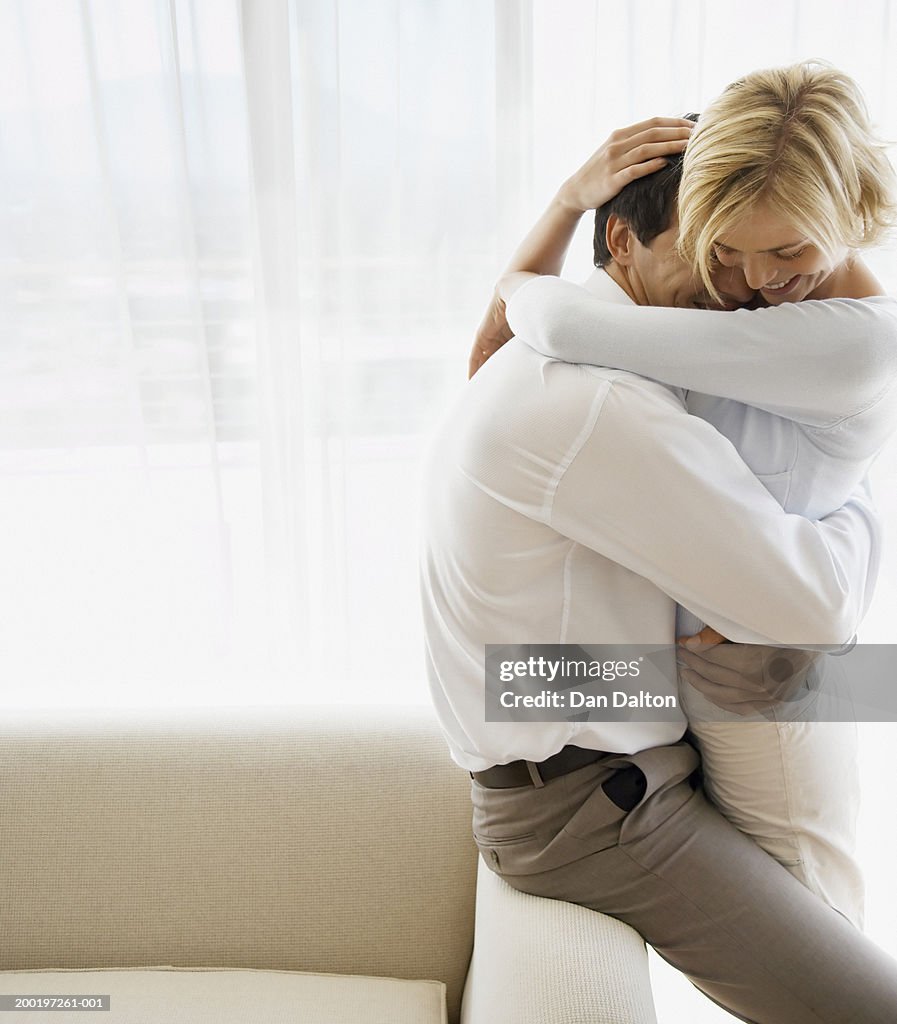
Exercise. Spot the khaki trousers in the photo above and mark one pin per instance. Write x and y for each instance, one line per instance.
(704, 895)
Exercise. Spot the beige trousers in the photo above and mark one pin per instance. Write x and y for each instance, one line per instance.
(791, 783)
(794, 788)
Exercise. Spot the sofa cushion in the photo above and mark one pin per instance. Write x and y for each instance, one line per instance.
(333, 839)
(196, 995)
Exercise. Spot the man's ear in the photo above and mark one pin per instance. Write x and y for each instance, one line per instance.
(620, 240)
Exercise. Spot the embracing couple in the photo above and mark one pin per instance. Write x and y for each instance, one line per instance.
(679, 449)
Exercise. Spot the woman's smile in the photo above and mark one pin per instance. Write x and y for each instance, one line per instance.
(782, 287)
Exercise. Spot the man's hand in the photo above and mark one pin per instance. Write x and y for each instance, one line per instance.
(627, 154)
(746, 679)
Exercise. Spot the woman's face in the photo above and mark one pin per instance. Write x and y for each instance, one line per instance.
(777, 259)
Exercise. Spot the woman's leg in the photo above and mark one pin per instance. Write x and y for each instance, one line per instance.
(791, 783)
(793, 787)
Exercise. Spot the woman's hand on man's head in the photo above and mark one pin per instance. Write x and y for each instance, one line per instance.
(627, 154)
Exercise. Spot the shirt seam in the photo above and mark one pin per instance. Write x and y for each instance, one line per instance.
(575, 448)
(565, 608)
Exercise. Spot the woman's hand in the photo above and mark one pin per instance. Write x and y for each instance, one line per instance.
(494, 330)
(707, 638)
(492, 333)
(627, 154)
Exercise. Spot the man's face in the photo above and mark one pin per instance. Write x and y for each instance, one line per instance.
(659, 277)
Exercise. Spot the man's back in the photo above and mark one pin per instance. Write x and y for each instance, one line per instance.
(518, 455)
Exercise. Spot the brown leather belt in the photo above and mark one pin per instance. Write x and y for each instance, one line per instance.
(517, 773)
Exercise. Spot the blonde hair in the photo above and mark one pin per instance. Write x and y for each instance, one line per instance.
(799, 138)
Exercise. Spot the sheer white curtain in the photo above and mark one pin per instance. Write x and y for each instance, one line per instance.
(128, 346)
(370, 258)
(244, 245)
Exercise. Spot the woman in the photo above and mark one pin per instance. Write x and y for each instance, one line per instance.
(782, 183)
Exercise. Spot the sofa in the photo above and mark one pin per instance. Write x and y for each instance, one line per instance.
(265, 864)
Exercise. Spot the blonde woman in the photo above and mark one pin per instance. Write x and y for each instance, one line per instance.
(783, 183)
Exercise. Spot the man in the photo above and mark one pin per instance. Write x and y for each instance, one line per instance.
(570, 504)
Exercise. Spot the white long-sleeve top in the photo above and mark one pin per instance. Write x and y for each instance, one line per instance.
(826, 371)
(576, 504)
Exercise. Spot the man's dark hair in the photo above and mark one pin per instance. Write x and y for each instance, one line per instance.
(645, 204)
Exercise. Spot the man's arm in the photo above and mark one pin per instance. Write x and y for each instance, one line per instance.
(667, 496)
(816, 362)
(751, 678)
(629, 153)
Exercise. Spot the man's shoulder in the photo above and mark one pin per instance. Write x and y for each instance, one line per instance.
(517, 427)
(516, 364)
(520, 402)
(530, 377)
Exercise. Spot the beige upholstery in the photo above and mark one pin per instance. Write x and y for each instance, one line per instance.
(240, 846)
(178, 995)
(585, 966)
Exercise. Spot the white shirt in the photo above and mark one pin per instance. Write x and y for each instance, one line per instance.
(827, 369)
(576, 504)
(820, 378)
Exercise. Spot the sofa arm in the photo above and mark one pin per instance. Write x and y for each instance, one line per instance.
(537, 960)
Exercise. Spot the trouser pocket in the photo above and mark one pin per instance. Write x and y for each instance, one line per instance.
(626, 787)
(508, 854)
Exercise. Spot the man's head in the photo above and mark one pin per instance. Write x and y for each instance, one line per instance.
(635, 241)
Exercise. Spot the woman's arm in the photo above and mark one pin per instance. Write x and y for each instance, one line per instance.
(629, 153)
(815, 362)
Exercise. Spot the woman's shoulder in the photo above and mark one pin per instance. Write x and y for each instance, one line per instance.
(859, 298)
(856, 281)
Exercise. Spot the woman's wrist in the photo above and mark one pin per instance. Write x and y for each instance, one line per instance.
(510, 282)
(569, 200)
